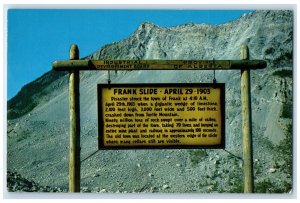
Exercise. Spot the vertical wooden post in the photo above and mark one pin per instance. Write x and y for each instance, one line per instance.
(247, 122)
(74, 154)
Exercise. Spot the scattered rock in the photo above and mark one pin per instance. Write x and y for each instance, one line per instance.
(102, 190)
(178, 37)
(96, 189)
(165, 187)
(178, 165)
(84, 189)
(216, 162)
(17, 183)
(152, 189)
(272, 170)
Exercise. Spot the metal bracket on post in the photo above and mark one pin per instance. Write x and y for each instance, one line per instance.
(108, 80)
(74, 107)
(247, 123)
(214, 80)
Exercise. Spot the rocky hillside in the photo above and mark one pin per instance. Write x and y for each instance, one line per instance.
(38, 140)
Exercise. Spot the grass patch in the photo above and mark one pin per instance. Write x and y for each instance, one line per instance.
(263, 186)
(23, 135)
(29, 105)
(235, 182)
(31, 95)
(266, 186)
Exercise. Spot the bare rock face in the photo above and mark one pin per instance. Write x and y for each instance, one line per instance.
(38, 116)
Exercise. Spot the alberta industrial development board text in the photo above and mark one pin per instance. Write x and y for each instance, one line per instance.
(161, 116)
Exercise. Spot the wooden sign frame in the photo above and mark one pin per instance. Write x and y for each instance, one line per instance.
(101, 122)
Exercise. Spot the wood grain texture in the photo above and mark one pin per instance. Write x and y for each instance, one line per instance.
(246, 123)
(74, 153)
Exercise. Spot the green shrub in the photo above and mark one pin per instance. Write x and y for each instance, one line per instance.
(235, 183)
(287, 110)
(266, 186)
(269, 50)
(283, 161)
(263, 186)
(23, 135)
(196, 156)
(284, 57)
(283, 73)
(285, 150)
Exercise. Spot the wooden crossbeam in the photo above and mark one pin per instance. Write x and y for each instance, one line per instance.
(69, 65)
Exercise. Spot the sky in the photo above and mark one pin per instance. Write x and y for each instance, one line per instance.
(37, 37)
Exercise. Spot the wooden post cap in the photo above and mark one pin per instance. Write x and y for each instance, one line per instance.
(244, 52)
(74, 52)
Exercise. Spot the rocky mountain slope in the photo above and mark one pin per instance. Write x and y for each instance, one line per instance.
(38, 117)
